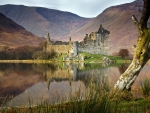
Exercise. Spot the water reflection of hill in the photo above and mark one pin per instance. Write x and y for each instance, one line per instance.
(16, 79)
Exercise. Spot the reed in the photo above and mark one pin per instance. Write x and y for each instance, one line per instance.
(146, 87)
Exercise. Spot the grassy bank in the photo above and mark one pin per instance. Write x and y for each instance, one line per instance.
(97, 58)
(88, 58)
(105, 106)
(26, 61)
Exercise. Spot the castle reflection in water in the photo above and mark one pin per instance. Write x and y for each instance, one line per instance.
(52, 82)
(74, 72)
(47, 82)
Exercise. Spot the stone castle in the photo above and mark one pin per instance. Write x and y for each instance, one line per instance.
(95, 43)
(69, 48)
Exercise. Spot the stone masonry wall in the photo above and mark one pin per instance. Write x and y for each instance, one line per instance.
(68, 48)
(59, 48)
(96, 42)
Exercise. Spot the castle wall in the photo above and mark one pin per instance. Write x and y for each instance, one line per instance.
(97, 46)
(71, 49)
(92, 50)
(95, 43)
(59, 48)
(75, 49)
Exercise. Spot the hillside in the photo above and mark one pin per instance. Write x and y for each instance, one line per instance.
(13, 35)
(40, 21)
(116, 19)
(62, 25)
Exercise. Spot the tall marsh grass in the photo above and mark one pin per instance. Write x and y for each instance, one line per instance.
(146, 87)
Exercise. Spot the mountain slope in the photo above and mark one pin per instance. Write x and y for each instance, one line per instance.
(116, 19)
(62, 25)
(12, 34)
(40, 21)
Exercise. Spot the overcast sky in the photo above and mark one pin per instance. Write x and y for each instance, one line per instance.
(84, 8)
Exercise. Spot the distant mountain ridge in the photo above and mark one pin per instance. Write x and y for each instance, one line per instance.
(40, 21)
(117, 20)
(14, 35)
(62, 25)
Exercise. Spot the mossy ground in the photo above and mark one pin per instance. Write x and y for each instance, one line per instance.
(96, 58)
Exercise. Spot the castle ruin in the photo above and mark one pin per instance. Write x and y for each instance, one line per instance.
(95, 43)
(69, 48)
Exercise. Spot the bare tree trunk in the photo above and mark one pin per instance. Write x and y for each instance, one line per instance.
(141, 51)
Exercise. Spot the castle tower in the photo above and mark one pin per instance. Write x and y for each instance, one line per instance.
(86, 39)
(101, 29)
(103, 37)
(48, 39)
(70, 43)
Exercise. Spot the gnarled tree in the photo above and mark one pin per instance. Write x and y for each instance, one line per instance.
(141, 51)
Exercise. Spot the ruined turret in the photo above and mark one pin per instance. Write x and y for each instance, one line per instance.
(92, 36)
(48, 39)
(101, 30)
(85, 39)
(96, 43)
(46, 43)
(70, 42)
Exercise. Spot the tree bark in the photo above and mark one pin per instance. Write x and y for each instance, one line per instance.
(141, 51)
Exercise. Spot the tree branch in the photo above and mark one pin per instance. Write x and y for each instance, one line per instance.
(134, 48)
(135, 21)
(145, 14)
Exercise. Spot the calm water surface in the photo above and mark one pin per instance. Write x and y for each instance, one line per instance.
(39, 83)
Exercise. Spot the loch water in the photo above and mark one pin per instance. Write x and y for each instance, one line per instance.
(24, 84)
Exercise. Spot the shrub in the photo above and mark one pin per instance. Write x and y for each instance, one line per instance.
(123, 53)
(43, 55)
(18, 53)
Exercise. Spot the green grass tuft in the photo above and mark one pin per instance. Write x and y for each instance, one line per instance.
(146, 87)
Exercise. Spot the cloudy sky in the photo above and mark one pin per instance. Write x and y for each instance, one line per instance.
(84, 8)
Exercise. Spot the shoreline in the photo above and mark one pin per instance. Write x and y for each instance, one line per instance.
(51, 61)
(26, 61)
